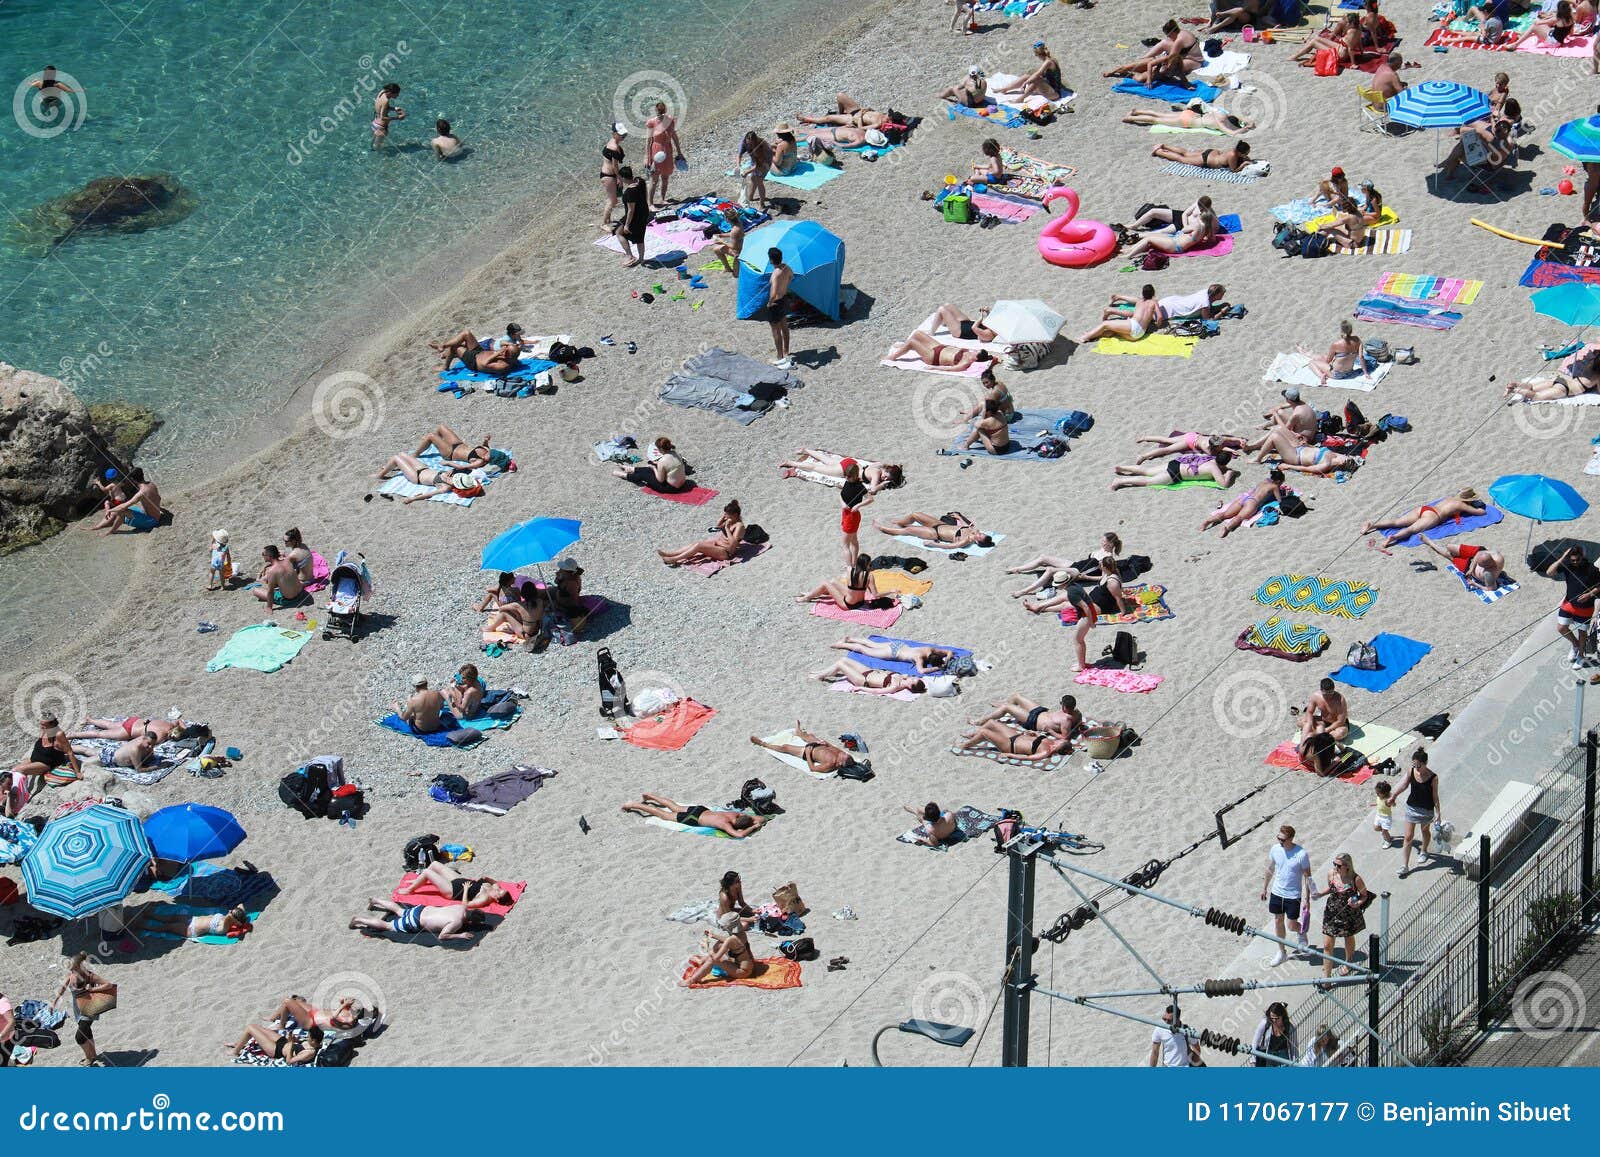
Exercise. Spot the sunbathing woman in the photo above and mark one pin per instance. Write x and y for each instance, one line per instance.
(453, 448)
(1292, 455)
(1193, 442)
(992, 430)
(1349, 225)
(971, 92)
(950, 318)
(1198, 115)
(926, 660)
(932, 353)
(126, 728)
(1110, 546)
(234, 924)
(1044, 81)
(1467, 504)
(1344, 38)
(1232, 159)
(1476, 564)
(473, 891)
(524, 617)
(1342, 361)
(497, 362)
(721, 547)
(854, 589)
(850, 113)
(736, 824)
(1236, 513)
(1250, 12)
(725, 954)
(1172, 239)
(875, 476)
(1550, 29)
(663, 472)
(280, 1046)
(461, 483)
(349, 1015)
(870, 679)
(1183, 468)
(1145, 319)
(1008, 739)
(952, 531)
(1106, 595)
(1574, 379)
(819, 755)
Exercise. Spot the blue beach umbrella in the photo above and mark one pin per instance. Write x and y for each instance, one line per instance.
(86, 862)
(1579, 139)
(815, 255)
(537, 540)
(1538, 498)
(1574, 303)
(1438, 104)
(192, 831)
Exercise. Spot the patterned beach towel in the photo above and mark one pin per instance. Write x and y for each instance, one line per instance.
(1131, 682)
(1152, 607)
(1485, 595)
(1060, 759)
(1300, 592)
(772, 973)
(1296, 642)
(1387, 242)
(1226, 176)
(971, 822)
(1395, 310)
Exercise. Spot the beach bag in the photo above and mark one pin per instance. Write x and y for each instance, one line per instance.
(1026, 355)
(1124, 650)
(419, 852)
(957, 209)
(1006, 827)
(448, 788)
(1292, 506)
(859, 770)
(306, 790)
(1326, 63)
(1051, 448)
(1154, 260)
(961, 666)
(802, 949)
(1290, 239)
(787, 898)
(756, 796)
(348, 803)
(93, 1005)
(1433, 726)
(756, 535)
(1377, 350)
(1074, 424)
(1315, 245)
(1362, 656)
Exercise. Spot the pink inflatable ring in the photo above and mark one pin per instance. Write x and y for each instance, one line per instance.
(1071, 241)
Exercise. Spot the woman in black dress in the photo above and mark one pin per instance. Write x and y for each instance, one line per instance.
(1348, 897)
(635, 215)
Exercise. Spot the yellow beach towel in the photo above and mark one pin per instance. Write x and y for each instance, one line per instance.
(1387, 217)
(893, 582)
(1156, 345)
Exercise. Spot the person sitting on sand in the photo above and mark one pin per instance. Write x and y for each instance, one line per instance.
(422, 708)
(473, 892)
(1064, 723)
(1242, 13)
(1467, 504)
(455, 450)
(465, 692)
(992, 169)
(1349, 225)
(952, 531)
(1192, 234)
(937, 827)
(349, 1015)
(971, 92)
(1293, 454)
(664, 470)
(1295, 416)
(720, 547)
(503, 593)
(933, 353)
(875, 476)
(1171, 59)
(849, 592)
(1007, 739)
(1110, 547)
(1106, 594)
(50, 753)
(279, 1045)
(141, 510)
(1193, 442)
(725, 954)
(996, 394)
(1214, 467)
(739, 825)
(234, 923)
(726, 247)
(991, 429)
(869, 679)
(1145, 319)
(1242, 509)
(924, 660)
(460, 483)
(848, 113)
(473, 354)
(1498, 135)
(1044, 81)
(1343, 38)
(299, 555)
(1232, 159)
(1326, 712)
(524, 617)
(818, 754)
(279, 582)
(441, 921)
(1343, 360)
(1197, 115)
(785, 149)
(1478, 565)
(1551, 29)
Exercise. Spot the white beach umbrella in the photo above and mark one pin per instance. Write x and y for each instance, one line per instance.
(1020, 321)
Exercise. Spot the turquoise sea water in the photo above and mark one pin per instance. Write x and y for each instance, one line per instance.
(262, 111)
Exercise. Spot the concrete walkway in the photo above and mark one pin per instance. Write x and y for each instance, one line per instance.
(1570, 997)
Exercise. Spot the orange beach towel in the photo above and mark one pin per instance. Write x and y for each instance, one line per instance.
(772, 973)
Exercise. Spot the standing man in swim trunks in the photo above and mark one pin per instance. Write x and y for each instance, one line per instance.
(779, 278)
(385, 110)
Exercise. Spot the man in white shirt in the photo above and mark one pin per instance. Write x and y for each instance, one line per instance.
(1169, 1047)
(1286, 887)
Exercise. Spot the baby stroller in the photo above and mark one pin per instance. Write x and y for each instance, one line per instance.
(348, 583)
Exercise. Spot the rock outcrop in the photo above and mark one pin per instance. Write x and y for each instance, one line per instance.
(109, 205)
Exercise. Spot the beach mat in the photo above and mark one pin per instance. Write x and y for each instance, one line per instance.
(772, 973)
(259, 648)
(1295, 642)
(1054, 763)
(807, 176)
(1187, 483)
(745, 553)
(669, 730)
(1226, 176)
(695, 496)
(1484, 594)
(1426, 287)
(899, 665)
(787, 736)
(1128, 682)
(1389, 309)
(1155, 345)
(1346, 598)
(971, 551)
(1491, 515)
(895, 582)
(990, 114)
(431, 897)
(1152, 611)
(1396, 656)
(1030, 429)
(1167, 93)
(526, 369)
(1386, 218)
(875, 617)
(448, 725)
(686, 829)
(191, 911)
(1295, 370)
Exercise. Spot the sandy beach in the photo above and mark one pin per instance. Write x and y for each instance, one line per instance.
(585, 968)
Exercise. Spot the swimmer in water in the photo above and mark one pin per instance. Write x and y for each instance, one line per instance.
(384, 110)
(50, 88)
(445, 144)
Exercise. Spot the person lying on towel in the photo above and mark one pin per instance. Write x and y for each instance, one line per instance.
(819, 755)
(869, 679)
(1009, 739)
(735, 824)
(950, 531)
(473, 892)
(1031, 716)
(447, 922)
(937, 825)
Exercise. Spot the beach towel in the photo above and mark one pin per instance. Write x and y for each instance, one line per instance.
(1485, 595)
(1054, 763)
(1396, 655)
(1295, 370)
(1376, 742)
(1287, 756)
(259, 647)
(192, 911)
(806, 176)
(930, 325)
(1221, 245)
(1226, 176)
(877, 617)
(401, 487)
(1572, 46)
(499, 793)
(695, 496)
(1207, 483)
(910, 361)
(1152, 607)
(1385, 307)
(686, 829)
(971, 822)
(771, 973)
(1296, 642)
(1130, 682)
(901, 666)
(990, 114)
(670, 730)
(1346, 598)
(1030, 429)
(217, 887)
(719, 380)
(526, 370)
(1224, 64)
(664, 239)
(1387, 217)
(1012, 210)
(1451, 527)
(16, 838)
(787, 736)
(429, 896)
(1168, 93)
(1426, 287)
(894, 582)
(1542, 274)
(1387, 242)
(1030, 176)
(1154, 345)
(846, 688)
(970, 551)
(450, 734)
(745, 553)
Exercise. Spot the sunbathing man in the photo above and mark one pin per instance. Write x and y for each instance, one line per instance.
(133, 755)
(850, 113)
(1575, 378)
(736, 824)
(1146, 318)
(875, 476)
(1015, 742)
(472, 892)
(953, 531)
(1031, 716)
(1198, 115)
(442, 922)
(1232, 159)
(234, 923)
(849, 592)
(720, 548)
(1295, 416)
(1184, 468)
(422, 709)
(991, 429)
(1325, 712)
(1106, 595)
(869, 679)
(279, 1045)
(726, 953)
(497, 362)
(1192, 442)
(1236, 513)
(937, 826)
(1467, 504)
(460, 483)
(926, 660)
(818, 754)
(280, 583)
(1172, 58)
(938, 355)
(453, 448)
(1480, 566)
(1292, 454)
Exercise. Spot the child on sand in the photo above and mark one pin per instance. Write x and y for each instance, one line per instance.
(221, 561)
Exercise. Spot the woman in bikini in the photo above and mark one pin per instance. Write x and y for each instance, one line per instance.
(1044, 81)
(1550, 29)
(1199, 467)
(524, 617)
(726, 543)
(733, 823)
(473, 891)
(850, 113)
(1232, 159)
(1573, 380)
(461, 483)
(995, 393)
(952, 320)
(1196, 234)
(1192, 442)
(951, 531)
(1467, 504)
(1011, 740)
(1198, 115)
(942, 357)
(349, 1015)
(1343, 359)
(848, 593)
(926, 660)
(1110, 547)
(869, 679)
(1107, 595)
(992, 430)
(1293, 455)
(498, 362)
(455, 451)
(820, 756)
(1343, 38)
(384, 112)
(753, 165)
(725, 954)
(125, 728)
(1349, 226)
(279, 1046)
(611, 155)
(1236, 513)
(299, 555)
(234, 924)
(875, 476)
(665, 472)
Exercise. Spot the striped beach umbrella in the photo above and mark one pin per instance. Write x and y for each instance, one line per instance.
(1579, 140)
(85, 862)
(1438, 104)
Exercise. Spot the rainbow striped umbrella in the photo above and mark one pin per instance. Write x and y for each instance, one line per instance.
(1579, 139)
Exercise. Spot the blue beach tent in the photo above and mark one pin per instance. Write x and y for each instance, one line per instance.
(815, 255)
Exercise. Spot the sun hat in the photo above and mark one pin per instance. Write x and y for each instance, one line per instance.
(220, 536)
(729, 921)
(876, 139)
(568, 565)
(619, 128)
(782, 127)
(1292, 394)
(974, 71)
(419, 681)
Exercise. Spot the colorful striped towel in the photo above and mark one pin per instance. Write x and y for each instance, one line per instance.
(1386, 307)
(1058, 760)
(1485, 595)
(1226, 176)
(1426, 287)
(1385, 242)
(1347, 598)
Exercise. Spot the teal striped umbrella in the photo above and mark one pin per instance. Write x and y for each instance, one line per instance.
(85, 862)
(1579, 140)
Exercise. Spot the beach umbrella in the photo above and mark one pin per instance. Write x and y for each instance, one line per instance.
(192, 831)
(1579, 140)
(815, 255)
(86, 861)
(1438, 104)
(1538, 498)
(1020, 321)
(535, 541)
(1574, 303)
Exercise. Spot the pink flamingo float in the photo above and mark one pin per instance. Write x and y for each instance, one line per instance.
(1070, 240)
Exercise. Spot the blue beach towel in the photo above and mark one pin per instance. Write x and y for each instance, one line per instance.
(1010, 121)
(448, 725)
(1450, 528)
(1396, 655)
(1025, 438)
(1230, 223)
(805, 176)
(526, 369)
(899, 665)
(1166, 92)
(259, 648)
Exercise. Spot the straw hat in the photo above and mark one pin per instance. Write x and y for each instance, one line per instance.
(782, 127)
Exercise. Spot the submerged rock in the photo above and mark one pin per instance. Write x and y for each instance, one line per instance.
(109, 205)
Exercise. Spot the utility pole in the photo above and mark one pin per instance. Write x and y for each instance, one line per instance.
(1023, 853)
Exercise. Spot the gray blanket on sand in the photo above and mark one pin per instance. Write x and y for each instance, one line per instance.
(500, 793)
(719, 381)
